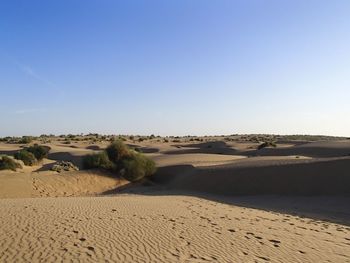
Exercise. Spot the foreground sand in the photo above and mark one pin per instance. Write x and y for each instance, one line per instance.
(134, 228)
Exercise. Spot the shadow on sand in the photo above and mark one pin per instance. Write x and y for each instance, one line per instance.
(314, 149)
(11, 152)
(68, 157)
(215, 147)
(318, 190)
(333, 209)
(45, 167)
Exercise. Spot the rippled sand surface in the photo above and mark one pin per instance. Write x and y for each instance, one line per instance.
(135, 228)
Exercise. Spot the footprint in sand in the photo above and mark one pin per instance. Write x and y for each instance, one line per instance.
(244, 253)
(275, 242)
(91, 248)
(263, 258)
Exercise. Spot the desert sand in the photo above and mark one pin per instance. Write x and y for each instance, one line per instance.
(211, 201)
(131, 228)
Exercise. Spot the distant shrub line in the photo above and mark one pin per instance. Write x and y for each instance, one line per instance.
(119, 158)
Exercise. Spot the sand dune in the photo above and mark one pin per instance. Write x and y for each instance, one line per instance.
(314, 149)
(52, 184)
(67, 153)
(216, 173)
(310, 149)
(194, 210)
(195, 159)
(250, 176)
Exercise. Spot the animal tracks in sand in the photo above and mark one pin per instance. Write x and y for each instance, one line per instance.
(130, 228)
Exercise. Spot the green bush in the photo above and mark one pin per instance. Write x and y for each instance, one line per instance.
(40, 152)
(119, 158)
(26, 139)
(149, 166)
(117, 151)
(137, 166)
(27, 157)
(7, 163)
(97, 160)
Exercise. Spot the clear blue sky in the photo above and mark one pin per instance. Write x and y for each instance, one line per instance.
(175, 67)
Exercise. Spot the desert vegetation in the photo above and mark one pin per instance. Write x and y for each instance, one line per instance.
(93, 138)
(27, 157)
(97, 160)
(137, 166)
(7, 163)
(19, 140)
(119, 158)
(31, 155)
(39, 151)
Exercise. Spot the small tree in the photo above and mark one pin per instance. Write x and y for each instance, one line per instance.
(116, 151)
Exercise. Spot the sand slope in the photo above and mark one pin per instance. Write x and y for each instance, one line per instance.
(262, 176)
(161, 229)
(195, 159)
(49, 183)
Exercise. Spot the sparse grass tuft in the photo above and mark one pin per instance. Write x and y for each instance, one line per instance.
(7, 163)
